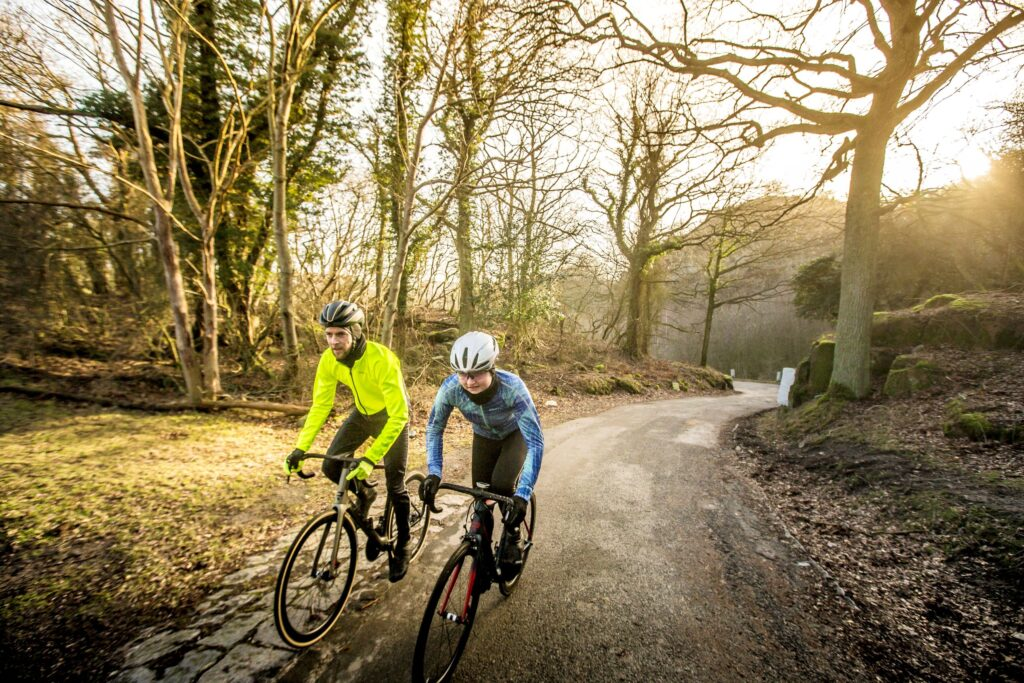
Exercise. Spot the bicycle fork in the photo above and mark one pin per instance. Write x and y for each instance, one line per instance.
(442, 609)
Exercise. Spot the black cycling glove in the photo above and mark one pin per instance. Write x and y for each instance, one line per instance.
(429, 489)
(517, 514)
(293, 463)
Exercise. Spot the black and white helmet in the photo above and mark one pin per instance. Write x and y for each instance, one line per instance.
(341, 314)
(474, 351)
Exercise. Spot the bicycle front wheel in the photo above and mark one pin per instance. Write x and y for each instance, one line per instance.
(448, 619)
(527, 529)
(419, 516)
(314, 584)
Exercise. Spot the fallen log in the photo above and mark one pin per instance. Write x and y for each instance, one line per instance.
(171, 406)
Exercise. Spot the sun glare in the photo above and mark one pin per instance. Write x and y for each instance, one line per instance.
(973, 163)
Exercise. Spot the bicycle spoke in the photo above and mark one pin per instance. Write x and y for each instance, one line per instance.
(313, 584)
(448, 621)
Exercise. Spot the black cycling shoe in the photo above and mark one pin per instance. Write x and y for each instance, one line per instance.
(373, 550)
(398, 563)
(511, 560)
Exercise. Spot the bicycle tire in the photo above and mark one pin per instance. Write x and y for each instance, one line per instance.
(442, 638)
(305, 606)
(419, 516)
(529, 528)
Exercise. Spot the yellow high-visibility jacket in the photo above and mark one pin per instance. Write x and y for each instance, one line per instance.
(376, 384)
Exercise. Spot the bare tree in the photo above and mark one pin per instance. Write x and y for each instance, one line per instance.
(289, 56)
(883, 61)
(503, 62)
(743, 261)
(413, 36)
(530, 223)
(160, 187)
(668, 176)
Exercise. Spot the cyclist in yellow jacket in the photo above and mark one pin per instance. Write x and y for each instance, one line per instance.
(374, 375)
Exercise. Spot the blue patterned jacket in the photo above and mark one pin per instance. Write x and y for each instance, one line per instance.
(510, 409)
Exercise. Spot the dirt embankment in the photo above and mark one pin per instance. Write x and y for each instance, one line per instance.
(917, 515)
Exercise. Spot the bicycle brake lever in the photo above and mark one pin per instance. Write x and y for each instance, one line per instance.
(436, 509)
(304, 475)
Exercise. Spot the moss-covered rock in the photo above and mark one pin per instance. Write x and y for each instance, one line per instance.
(908, 375)
(599, 386)
(977, 426)
(713, 379)
(629, 384)
(799, 391)
(993, 320)
(822, 356)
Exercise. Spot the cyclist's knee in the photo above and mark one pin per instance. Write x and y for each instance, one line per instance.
(331, 470)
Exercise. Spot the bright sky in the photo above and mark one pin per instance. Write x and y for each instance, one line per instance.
(954, 137)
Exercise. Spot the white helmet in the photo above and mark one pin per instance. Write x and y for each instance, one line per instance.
(474, 351)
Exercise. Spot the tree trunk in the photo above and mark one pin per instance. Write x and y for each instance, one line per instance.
(279, 159)
(394, 286)
(464, 250)
(714, 273)
(851, 371)
(166, 247)
(168, 252)
(378, 255)
(637, 323)
(211, 362)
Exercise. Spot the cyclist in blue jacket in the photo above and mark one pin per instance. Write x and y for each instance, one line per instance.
(508, 443)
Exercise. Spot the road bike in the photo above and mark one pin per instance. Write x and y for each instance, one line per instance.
(468, 574)
(316, 576)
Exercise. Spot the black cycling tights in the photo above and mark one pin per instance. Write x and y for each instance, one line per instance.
(499, 462)
(356, 429)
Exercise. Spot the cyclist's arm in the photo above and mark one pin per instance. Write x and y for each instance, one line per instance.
(388, 375)
(529, 424)
(436, 422)
(324, 387)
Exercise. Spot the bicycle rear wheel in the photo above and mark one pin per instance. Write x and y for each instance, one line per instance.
(312, 588)
(448, 619)
(419, 516)
(527, 530)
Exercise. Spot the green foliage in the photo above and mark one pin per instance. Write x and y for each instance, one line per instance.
(111, 105)
(816, 287)
(629, 384)
(599, 385)
(813, 417)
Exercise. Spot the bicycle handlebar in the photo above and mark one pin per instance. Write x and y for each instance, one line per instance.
(343, 459)
(469, 491)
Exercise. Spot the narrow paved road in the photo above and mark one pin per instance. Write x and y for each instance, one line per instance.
(654, 561)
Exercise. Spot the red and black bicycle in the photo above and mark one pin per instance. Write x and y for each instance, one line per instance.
(470, 571)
